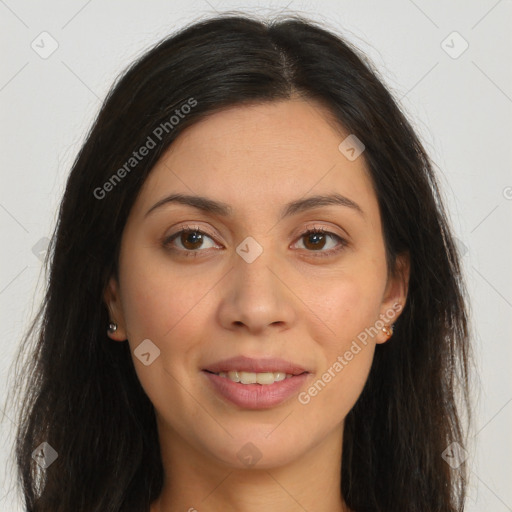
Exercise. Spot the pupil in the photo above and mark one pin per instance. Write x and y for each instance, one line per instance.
(315, 238)
(192, 240)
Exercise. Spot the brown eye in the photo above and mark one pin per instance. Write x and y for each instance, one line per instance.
(323, 242)
(189, 240)
(315, 240)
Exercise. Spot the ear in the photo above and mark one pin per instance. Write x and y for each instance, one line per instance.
(395, 296)
(113, 302)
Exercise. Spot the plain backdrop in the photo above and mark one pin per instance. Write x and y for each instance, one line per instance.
(448, 64)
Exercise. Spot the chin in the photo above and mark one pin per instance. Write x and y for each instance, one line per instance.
(257, 452)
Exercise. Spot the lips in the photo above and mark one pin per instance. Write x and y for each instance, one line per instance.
(242, 390)
(250, 365)
(256, 396)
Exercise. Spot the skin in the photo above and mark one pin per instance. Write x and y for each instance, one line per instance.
(291, 302)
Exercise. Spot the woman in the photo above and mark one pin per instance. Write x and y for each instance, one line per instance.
(254, 299)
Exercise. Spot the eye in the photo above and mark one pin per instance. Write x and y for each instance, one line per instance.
(189, 241)
(317, 239)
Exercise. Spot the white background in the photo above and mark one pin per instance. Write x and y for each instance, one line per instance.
(460, 106)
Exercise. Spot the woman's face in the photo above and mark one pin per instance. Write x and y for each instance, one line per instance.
(247, 281)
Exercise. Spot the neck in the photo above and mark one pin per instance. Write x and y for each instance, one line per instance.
(194, 482)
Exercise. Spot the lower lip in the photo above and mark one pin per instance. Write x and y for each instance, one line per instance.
(256, 396)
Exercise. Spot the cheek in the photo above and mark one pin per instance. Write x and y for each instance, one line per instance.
(347, 304)
(170, 310)
(347, 353)
(157, 301)
(333, 393)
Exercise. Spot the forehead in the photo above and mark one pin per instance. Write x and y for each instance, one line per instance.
(262, 154)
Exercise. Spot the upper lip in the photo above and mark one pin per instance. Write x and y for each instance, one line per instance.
(248, 364)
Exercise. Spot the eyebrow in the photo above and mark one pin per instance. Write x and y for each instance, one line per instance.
(219, 208)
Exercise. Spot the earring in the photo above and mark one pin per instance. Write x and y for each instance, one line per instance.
(112, 327)
(388, 330)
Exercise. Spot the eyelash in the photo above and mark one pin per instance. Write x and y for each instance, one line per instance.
(342, 243)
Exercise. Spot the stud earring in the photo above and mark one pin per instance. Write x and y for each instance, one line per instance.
(388, 330)
(112, 327)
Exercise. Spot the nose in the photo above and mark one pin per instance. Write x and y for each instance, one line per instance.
(256, 297)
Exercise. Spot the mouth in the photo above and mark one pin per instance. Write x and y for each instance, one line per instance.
(263, 378)
(255, 383)
(247, 370)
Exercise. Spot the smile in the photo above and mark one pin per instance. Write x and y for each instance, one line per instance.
(263, 378)
(251, 394)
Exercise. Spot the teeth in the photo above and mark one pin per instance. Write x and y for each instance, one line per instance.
(255, 378)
